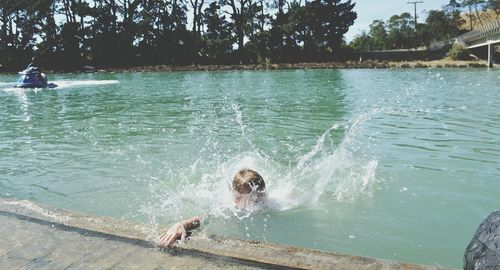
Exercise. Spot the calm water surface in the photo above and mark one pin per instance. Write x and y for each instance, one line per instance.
(396, 164)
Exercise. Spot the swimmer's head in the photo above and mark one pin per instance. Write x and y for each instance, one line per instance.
(249, 188)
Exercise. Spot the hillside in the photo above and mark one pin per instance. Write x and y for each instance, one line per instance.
(484, 18)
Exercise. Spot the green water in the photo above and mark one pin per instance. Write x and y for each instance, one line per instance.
(395, 164)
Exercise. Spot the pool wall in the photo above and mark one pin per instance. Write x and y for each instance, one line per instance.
(24, 219)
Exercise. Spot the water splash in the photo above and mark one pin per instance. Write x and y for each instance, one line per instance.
(83, 83)
(341, 171)
(347, 172)
(60, 85)
(319, 144)
(239, 120)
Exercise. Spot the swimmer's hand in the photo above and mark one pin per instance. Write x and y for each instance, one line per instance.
(178, 231)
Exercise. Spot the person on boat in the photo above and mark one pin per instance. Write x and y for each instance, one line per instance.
(249, 189)
(35, 68)
(33, 64)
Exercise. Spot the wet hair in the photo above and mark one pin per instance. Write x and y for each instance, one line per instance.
(245, 181)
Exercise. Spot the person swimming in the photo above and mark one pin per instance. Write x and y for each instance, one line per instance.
(249, 189)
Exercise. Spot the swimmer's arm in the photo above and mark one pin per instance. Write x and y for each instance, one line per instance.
(192, 223)
(179, 231)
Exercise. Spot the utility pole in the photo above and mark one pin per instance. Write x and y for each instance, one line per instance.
(416, 32)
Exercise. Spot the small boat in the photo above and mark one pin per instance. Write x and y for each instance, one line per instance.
(32, 77)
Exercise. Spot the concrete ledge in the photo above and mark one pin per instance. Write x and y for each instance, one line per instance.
(231, 252)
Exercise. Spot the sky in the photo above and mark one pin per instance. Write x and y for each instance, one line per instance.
(370, 10)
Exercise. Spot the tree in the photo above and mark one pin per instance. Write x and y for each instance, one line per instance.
(106, 47)
(17, 33)
(196, 7)
(362, 42)
(71, 58)
(277, 31)
(129, 27)
(338, 17)
(218, 39)
(148, 30)
(401, 33)
(495, 6)
(442, 25)
(238, 11)
(473, 6)
(65, 34)
(438, 25)
(318, 26)
(378, 35)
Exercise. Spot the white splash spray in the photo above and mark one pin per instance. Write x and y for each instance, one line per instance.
(60, 85)
(341, 171)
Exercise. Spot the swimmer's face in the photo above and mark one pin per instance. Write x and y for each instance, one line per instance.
(249, 199)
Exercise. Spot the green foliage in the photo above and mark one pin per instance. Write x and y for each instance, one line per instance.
(315, 30)
(379, 37)
(396, 33)
(67, 34)
(458, 52)
(362, 42)
(399, 31)
(441, 25)
(217, 39)
(70, 46)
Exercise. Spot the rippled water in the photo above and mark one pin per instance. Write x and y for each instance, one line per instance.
(396, 164)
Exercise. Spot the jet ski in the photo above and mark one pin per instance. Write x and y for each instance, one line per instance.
(32, 77)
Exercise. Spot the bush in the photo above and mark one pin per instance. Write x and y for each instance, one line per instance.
(458, 52)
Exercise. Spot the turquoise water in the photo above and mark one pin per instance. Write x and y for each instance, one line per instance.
(395, 164)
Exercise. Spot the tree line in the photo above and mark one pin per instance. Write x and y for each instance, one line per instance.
(399, 32)
(67, 34)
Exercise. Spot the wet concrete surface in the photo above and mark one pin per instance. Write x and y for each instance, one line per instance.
(34, 236)
(29, 243)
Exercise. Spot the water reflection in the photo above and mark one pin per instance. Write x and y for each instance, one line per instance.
(24, 103)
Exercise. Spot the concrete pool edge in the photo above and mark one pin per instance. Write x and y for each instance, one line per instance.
(268, 255)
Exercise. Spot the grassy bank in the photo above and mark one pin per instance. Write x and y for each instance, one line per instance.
(444, 63)
(366, 64)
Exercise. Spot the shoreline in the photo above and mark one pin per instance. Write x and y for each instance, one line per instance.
(366, 64)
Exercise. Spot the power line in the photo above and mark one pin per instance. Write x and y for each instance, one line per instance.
(415, 8)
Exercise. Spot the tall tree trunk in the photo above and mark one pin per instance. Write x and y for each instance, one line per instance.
(73, 13)
(478, 15)
(470, 17)
(66, 10)
(241, 37)
(200, 16)
(261, 26)
(3, 34)
(194, 5)
(15, 38)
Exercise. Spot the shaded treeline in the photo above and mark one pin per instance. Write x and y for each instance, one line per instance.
(399, 31)
(67, 34)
